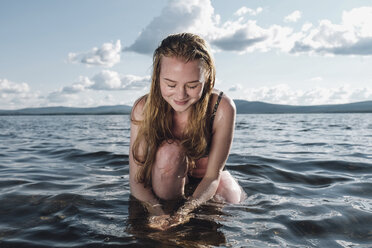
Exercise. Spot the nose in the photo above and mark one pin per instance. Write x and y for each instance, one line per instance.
(181, 93)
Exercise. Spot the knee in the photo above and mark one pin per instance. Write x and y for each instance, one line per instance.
(168, 170)
(169, 151)
(229, 188)
(169, 157)
(169, 148)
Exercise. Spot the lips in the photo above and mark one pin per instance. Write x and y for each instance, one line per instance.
(180, 102)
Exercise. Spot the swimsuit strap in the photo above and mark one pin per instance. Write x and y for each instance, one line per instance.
(215, 109)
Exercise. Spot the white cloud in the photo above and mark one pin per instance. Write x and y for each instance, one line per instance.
(283, 94)
(280, 94)
(9, 87)
(236, 87)
(30, 99)
(93, 91)
(198, 16)
(17, 95)
(111, 80)
(359, 20)
(240, 36)
(195, 16)
(306, 27)
(293, 17)
(106, 80)
(83, 99)
(246, 36)
(132, 82)
(108, 55)
(81, 85)
(244, 10)
(352, 37)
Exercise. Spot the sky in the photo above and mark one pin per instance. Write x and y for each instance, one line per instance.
(90, 53)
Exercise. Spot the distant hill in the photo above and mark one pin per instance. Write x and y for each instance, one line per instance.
(103, 110)
(246, 107)
(242, 106)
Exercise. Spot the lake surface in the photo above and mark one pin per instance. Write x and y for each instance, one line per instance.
(64, 183)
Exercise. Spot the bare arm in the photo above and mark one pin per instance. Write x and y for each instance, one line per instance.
(223, 131)
(145, 195)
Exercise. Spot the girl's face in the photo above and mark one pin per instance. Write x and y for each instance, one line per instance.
(181, 84)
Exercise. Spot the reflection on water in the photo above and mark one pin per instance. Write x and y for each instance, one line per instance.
(201, 231)
(64, 183)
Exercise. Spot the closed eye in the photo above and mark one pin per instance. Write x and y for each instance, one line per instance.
(192, 87)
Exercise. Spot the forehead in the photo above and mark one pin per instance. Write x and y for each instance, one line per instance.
(179, 65)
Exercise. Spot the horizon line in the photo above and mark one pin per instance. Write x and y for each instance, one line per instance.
(283, 104)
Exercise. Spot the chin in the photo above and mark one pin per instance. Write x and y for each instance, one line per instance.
(180, 109)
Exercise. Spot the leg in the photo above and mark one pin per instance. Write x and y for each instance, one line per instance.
(229, 189)
(169, 171)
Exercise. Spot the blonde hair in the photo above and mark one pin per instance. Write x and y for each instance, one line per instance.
(156, 126)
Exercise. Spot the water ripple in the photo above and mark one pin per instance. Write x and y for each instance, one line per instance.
(64, 183)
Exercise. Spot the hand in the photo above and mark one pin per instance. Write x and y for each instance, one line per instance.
(183, 215)
(165, 222)
(159, 222)
(179, 219)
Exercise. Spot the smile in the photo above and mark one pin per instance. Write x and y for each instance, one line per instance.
(180, 102)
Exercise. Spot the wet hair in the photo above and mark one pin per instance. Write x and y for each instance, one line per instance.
(157, 122)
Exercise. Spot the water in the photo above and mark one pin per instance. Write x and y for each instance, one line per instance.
(64, 183)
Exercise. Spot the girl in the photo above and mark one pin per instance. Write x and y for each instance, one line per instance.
(181, 132)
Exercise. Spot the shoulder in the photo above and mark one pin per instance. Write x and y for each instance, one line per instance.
(137, 109)
(226, 105)
(226, 111)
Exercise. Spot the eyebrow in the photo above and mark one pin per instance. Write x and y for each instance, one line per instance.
(170, 80)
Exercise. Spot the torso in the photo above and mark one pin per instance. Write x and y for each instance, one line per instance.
(180, 122)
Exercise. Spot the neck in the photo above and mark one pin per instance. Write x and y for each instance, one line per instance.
(181, 115)
(181, 118)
